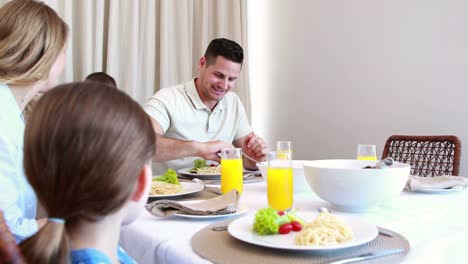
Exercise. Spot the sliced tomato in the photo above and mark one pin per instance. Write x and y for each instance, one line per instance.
(296, 226)
(285, 229)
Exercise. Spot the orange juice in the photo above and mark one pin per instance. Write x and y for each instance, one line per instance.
(231, 175)
(284, 154)
(280, 187)
(367, 158)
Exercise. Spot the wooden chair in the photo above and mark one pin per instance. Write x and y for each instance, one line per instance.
(9, 251)
(427, 155)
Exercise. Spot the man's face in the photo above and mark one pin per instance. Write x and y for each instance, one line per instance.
(217, 78)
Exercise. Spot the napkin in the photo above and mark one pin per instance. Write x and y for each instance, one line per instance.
(437, 182)
(223, 204)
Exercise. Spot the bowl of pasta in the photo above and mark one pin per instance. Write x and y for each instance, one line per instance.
(300, 182)
(348, 186)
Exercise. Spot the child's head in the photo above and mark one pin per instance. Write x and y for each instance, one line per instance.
(32, 42)
(87, 152)
(102, 77)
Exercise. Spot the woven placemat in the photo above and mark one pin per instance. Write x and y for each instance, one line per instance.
(220, 247)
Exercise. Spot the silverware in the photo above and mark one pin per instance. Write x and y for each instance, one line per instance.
(381, 164)
(385, 233)
(250, 158)
(384, 163)
(324, 210)
(370, 255)
(250, 175)
(246, 156)
(208, 188)
(220, 228)
(247, 176)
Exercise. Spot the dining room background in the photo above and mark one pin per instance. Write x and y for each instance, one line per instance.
(330, 74)
(147, 45)
(325, 74)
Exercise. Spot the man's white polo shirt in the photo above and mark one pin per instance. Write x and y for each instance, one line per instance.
(182, 115)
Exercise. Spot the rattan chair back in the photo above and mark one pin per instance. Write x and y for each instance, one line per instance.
(427, 155)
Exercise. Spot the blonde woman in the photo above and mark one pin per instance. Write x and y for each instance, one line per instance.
(32, 45)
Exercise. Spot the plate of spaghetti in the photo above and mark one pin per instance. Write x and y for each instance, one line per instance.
(210, 173)
(321, 232)
(202, 173)
(164, 190)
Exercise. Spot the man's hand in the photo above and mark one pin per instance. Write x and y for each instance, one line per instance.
(253, 146)
(209, 150)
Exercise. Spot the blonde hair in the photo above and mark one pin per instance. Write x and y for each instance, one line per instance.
(32, 36)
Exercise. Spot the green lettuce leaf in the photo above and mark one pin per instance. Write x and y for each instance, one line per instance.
(170, 176)
(267, 221)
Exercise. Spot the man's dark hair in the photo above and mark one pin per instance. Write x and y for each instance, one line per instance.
(224, 47)
(102, 77)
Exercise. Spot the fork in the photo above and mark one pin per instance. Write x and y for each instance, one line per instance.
(208, 188)
(371, 255)
(245, 155)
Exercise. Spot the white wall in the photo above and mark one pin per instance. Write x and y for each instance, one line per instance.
(329, 74)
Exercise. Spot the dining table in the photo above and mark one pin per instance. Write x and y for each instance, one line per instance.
(435, 224)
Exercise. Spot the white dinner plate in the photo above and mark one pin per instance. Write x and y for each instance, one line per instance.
(438, 190)
(242, 229)
(187, 188)
(241, 209)
(186, 172)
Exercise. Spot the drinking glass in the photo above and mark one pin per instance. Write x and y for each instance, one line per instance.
(366, 152)
(231, 170)
(284, 149)
(279, 181)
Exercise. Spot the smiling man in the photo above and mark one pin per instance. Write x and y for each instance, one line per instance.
(198, 118)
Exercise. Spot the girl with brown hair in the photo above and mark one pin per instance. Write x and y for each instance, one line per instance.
(88, 148)
(32, 46)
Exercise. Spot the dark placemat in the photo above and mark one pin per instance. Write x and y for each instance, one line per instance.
(220, 247)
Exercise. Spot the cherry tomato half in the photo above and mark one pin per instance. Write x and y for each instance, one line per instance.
(296, 226)
(285, 228)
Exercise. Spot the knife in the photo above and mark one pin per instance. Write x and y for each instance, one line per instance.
(370, 255)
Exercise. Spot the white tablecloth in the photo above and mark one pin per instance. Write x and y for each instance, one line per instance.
(435, 224)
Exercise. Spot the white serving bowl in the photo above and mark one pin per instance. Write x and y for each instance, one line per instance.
(300, 182)
(348, 187)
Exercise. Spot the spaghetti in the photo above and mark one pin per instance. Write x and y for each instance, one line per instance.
(159, 187)
(327, 229)
(209, 170)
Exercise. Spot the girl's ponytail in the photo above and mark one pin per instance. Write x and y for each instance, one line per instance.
(49, 245)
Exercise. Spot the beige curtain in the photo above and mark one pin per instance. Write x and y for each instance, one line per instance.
(147, 45)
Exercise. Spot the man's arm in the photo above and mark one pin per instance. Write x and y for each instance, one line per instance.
(253, 146)
(170, 148)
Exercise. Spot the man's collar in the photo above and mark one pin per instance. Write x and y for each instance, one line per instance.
(196, 100)
(193, 94)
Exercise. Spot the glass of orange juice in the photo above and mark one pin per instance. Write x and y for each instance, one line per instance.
(366, 152)
(284, 149)
(279, 181)
(231, 170)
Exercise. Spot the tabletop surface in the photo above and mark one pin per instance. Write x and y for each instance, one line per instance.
(436, 225)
